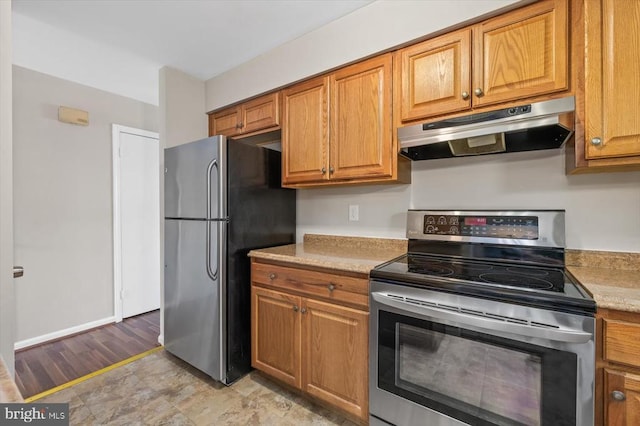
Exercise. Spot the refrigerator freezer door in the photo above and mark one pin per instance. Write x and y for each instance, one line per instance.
(191, 183)
(192, 299)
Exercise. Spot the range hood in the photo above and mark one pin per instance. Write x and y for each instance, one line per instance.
(522, 127)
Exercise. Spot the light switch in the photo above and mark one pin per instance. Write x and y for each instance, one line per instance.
(354, 212)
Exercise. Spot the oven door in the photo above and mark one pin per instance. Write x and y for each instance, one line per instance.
(443, 359)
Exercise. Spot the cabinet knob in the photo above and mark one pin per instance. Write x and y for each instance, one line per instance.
(303, 310)
(618, 396)
(465, 95)
(295, 308)
(323, 170)
(239, 126)
(331, 287)
(272, 276)
(478, 92)
(331, 170)
(596, 141)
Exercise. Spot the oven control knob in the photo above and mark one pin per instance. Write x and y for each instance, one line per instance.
(618, 396)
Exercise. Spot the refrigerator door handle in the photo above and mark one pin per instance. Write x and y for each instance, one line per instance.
(212, 274)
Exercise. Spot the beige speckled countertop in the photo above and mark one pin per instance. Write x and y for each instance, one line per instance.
(350, 254)
(612, 278)
(8, 390)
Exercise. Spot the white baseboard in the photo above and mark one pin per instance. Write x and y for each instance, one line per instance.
(161, 339)
(62, 333)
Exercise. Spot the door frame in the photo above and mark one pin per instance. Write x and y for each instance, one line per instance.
(117, 225)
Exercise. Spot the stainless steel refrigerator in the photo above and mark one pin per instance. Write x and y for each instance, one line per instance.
(222, 198)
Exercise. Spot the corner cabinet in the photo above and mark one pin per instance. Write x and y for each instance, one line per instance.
(517, 55)
(618, 368)
(611, 89)
(255, 116)
(309, 329)
(337, 128)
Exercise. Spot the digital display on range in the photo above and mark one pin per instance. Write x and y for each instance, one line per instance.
(517, 227)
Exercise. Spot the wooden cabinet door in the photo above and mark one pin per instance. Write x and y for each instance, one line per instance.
(335, 348)
(521, 54)
(305, 132)
(275, 334)
(261, 113)
(226, 122)
(612, 81)
(624, 411)
(435, 76)
(361, 142)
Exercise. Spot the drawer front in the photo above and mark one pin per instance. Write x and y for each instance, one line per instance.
(337, 288)
(621, 343)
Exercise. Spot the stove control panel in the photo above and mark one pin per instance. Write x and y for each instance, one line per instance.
(513, 227)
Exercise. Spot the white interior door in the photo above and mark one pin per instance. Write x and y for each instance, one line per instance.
(139, 216)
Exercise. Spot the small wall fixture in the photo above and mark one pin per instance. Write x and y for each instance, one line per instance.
(73, 116)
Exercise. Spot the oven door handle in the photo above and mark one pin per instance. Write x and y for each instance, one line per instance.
(482, 322)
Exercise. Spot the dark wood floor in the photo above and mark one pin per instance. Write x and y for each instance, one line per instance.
(52, 364)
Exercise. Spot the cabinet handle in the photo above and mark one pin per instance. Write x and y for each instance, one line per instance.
(323, 170)
(272, 276)
(303, 310)
(331, 287)
(596, 141)
(478, 92)
(465, 95)
(618, 396)
(295, 308)
(331, 170)
(239, 126)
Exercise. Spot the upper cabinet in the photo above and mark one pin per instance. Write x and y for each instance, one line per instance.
(257, 115)
(337, 128)
(521, 54)
(612, 88)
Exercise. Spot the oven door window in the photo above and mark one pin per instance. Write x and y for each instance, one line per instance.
(474, 377)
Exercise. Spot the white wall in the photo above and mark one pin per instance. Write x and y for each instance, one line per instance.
(57, 51)
(378, 26)
(7, 294)
(182, 116)
(602, 210)
(63, 200)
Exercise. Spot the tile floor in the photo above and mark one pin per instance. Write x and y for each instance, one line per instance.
(160, 389)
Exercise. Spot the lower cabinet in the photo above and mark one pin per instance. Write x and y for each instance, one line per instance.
(317, 346)
(622, 398)
(618, 368)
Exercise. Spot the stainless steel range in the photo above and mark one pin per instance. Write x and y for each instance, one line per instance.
(479, 324)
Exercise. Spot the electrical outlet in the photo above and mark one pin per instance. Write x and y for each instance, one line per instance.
(354, 213)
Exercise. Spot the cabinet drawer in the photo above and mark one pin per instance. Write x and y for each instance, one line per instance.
(621, 342)
(337, 288)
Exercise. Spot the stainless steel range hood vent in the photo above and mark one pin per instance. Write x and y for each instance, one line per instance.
(523, 127)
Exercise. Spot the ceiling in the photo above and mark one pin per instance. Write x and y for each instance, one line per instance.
(200, 37)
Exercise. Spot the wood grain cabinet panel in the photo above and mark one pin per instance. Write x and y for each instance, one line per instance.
(612, 88)
(337, 128)
(307, 332)
(518, 55)
(226, 122)
(622, 394)
(335, 342)
(275, 335)
(617, 396)
(305, 132)
(622, 342)
(522, 54)
(258, 115)
(361, 141)
(435, 76)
